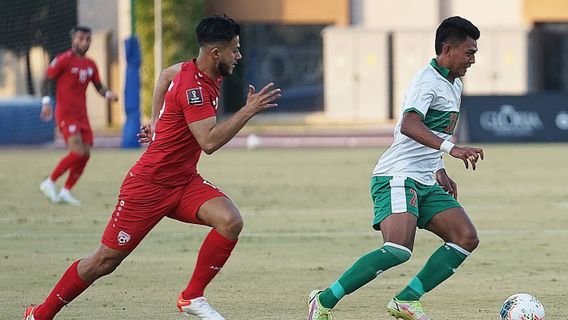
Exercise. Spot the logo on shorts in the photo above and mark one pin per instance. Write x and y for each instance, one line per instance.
(123, 238)
(72, 128)
(194, 96)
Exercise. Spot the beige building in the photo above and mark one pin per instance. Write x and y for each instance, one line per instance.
(371, 48)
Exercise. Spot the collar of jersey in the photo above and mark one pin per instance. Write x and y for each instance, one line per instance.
(202, 74)
(441, 70)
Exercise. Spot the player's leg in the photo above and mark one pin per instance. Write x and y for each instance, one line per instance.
(456, 229)
(68, 131)
(433, 203)
(79, 144)
(78, 277)
(226, 222)
(205, 204)
(392, 202)
(140, 206)
(398, 233)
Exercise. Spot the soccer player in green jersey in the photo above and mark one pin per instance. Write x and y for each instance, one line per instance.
(410, 187)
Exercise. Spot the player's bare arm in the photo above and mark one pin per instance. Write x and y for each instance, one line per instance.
(444, 180)
(212, 135)
(413, 127)
(46, 108)
(166, 76)
(106, 92)
(162, 84)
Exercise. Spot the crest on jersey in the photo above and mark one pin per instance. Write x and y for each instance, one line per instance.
(123, 238)
(194, 96)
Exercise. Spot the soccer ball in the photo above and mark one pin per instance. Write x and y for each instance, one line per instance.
(522, 306)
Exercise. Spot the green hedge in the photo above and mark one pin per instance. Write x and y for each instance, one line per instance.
(179, 19)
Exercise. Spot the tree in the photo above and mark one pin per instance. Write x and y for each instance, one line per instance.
(179, 19)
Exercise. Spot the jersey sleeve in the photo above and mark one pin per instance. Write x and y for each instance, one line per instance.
(418, 99)
(195, 102)
(95, 79)
(57, 66)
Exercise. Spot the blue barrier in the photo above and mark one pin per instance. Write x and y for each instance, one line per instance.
(20, 122)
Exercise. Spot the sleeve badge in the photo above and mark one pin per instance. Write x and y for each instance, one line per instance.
(194, 96)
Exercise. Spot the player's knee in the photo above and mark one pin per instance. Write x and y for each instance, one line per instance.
(468, 239)
(234, 223)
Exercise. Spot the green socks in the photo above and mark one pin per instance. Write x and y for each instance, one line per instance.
(365, 269)
(441, 265)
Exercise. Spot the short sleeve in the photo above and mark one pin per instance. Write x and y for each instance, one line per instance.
(195, 103)
(418, 99)
(95, 79)
(57, 66)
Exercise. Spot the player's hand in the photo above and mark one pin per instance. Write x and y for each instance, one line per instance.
(46, 113)
(468, 155)
(447, 183)
(146, 131)
(109, 95)
(262, 100)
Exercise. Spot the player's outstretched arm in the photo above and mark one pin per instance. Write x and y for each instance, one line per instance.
(46, 112)
(162, 84)
(106, 92)
(212, 135)
(413, 128)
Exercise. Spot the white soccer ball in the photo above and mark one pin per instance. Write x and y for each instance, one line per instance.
(522, 306)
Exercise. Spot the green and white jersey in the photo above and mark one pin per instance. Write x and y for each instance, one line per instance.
(437, 101)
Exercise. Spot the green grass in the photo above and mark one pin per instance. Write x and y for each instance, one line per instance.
(307, 218)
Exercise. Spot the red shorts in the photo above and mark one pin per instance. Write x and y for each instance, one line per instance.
(142, 205)
(72, 127)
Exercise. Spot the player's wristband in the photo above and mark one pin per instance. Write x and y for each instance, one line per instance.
(108, 93)
(46, 100)
(446, 146)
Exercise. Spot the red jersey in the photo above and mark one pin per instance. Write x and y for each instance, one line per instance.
(73, 74)
(171, 159)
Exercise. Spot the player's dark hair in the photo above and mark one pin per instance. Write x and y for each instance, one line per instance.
(454, 30)
(216, 29)
(78, 28)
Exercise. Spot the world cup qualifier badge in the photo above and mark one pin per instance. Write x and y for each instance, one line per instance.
(194, 96)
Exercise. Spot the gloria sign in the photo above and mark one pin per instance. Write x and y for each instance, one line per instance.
(530, 118)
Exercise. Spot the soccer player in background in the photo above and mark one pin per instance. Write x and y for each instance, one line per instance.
(410, 187)
(165, 182)
(72, 71)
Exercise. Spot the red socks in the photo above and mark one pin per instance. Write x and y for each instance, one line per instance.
(73, 162)
(64, 165)
(68, 288)
(75, 171)
(213, 254)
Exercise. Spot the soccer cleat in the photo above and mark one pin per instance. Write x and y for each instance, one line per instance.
(29, 314)
(198, 307)
(407, 310)
(66, 197)
(49, 190)
(315, 310)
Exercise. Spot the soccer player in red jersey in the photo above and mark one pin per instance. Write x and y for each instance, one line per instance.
(165, 182)
(72, 71)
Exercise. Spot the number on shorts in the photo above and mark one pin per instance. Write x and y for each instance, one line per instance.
(414, 197)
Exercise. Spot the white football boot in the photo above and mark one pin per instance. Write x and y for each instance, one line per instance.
(198, 307)
(49, 190)
(66, 197)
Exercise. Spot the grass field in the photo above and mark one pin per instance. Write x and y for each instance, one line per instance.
(307, 218)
